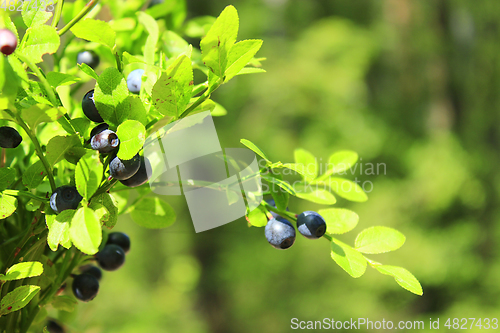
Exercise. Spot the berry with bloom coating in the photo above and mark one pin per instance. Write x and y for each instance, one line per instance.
(106, 141)
(8, 42)
(141, 176)
(311, 224)
(124, 169)
(280, 233)
(134, 81)
(88, 57)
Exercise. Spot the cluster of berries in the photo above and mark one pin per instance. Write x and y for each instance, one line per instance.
(280, 233)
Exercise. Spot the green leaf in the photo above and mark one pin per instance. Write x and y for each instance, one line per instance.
(339, 220)
(348, 258)
(7, 177)
(257, 217)
(342, 160)
(152, 28)
(107, 201)
(132, 136)
(298, 168)
(9, 81)
(59, 229)
(57, 79)
(111, 97)
(379, 240)
(40, 113)
(283, 184)
(34, 175)
(280, 196)
(88, 70)
(173, 90)
(23, 270)
(137, 110)
(64, 303)
(88, 174)
(32, 15)
(17, 299)
(309, 162)
(8, 205)
(251, 70)
(239, 56)
(74, 154)
(218, 110)
(403, 277)
(153, 213)
(42, 39)
(95, 31)
(347, 189)
(220, 38)
(58, 146)
(81, 125)
(253, 147)
(319, 196)
(174, 44)
(85, 231)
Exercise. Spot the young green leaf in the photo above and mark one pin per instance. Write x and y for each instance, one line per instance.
(348, 258)
(253, 147)
(257, 217)
(137, 110)
(40, 113)
(339, 220)
(88, 70)
(132, 136)
(57, 79)
(31, 14)
(17, 299)
(59, 229)
(319, 196)
(58, 146)
(23, 270)
(298, 168)
(7, 177)
(111, 97)
(379, 240)
(81, 125)
(403, 277)
(152, 28)
(8, 205)
(309, 162)
(95, 31)
(239, 56)
(173, 90)
(64, 303)
(347, 189)
(342, 160)
(153, 213)
(219, 40)
(34, 175)
(42, 39)
(85, 231)
(88, 174)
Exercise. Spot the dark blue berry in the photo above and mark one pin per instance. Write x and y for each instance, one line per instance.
(85, 287)
(8, 42)
(141, 176)
(88, 57)
(106, 141)
(54, 327)
(119, 238)
(98, 129)
(280, 233)
(65, 197)
(9, 137)
(124, 169)
(93, 270)
(88, 107)
(134, 81)
(311, 224)
(111, 257)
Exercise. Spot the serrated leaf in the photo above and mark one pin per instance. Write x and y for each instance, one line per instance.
(379, 240)
(253, 147)
(88, 174)
(42, 39)
(59, 229)
(23, 270)
(32, 15)
(339, 220)
(111, 97)
(40, 113)
(7, 177)
(17, 299)
(239, 56)
(34, 175)
(347, 189)
(319, 196)
(153, 213)
(132, 136)
(257, 217)
(8, 205)
(88, 70)
(137, 110)
(57, 79)
(85, 231)
(342, 160)
(309, 162)
(58, 146)
(173, 90)
(64, 303)
(403, 277)
(95, 31)
(108, 202)
(220, 38)
(348, 258)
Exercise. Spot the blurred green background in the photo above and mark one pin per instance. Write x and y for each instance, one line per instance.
(411, 84)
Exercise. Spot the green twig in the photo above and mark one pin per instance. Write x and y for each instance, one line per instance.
(287, 214)
(57, 14)
(88, 7)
